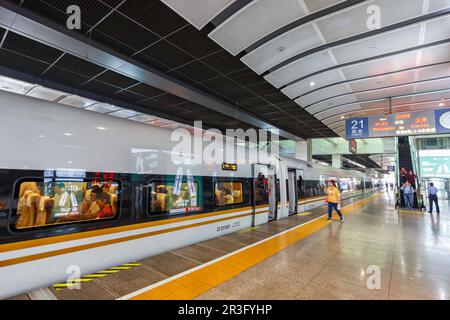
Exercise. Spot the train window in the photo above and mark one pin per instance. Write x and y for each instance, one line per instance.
(227, 193)
(175, 197)
(314, 188)
(59, 202)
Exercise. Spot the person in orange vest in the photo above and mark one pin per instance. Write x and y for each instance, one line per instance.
(333, 199)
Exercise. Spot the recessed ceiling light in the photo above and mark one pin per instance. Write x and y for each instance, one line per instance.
(70, 162)
(41, 136)
(67, 134)
(312, 83)
(342, 117)
(101, 128)
(441, 104)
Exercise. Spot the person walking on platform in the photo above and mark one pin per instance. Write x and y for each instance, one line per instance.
(333, 199)
(408, 194)
(432, 197)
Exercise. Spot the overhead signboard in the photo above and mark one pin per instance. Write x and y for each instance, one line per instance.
(399, 124)
(229, 166)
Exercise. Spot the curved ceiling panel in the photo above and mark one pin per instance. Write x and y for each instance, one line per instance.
(431, 96)
(333, 105)
(323, 94)
(379, 67)
(378, 82)
(333, 63)
(378, 45)
(298, 40)
(255, 21)
(316, 5)
(311, 83)
(338, 110)
(437, 29)
(353, 21)
(189, 9)
(301, 68)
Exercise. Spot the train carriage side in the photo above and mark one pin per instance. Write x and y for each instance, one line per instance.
(93, 191)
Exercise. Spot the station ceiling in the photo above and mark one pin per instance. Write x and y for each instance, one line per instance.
(302, 67)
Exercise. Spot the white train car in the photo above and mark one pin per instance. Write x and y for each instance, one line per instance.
(83, 189)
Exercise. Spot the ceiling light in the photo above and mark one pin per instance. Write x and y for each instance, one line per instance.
(70, 162)
(342, 117)
(441, 104)
(41, 136)
(312, 83)
(67, 134)
(101, 128)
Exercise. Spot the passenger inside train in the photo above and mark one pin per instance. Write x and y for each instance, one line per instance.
(48, 203)
(173, 197)
(228, 193)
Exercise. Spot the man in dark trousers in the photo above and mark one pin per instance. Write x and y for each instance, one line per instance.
(432, 196)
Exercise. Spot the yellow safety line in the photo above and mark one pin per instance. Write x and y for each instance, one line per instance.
(249, 229)
(109, 271)
(406, 211)
(192, 284)
(93, 276)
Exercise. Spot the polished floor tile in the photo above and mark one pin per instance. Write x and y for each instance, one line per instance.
(410, 252)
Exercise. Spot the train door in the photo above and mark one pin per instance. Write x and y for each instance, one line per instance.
(300, 191)
(273, 203)
(265, 195)
(292, 191)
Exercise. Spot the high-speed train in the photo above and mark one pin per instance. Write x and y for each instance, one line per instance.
(84, 189)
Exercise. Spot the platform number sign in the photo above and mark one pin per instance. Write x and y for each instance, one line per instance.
(357, 128)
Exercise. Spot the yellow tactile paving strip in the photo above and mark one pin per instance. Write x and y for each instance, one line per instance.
(192, 284)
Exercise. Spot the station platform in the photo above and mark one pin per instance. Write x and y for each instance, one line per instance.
(300, 257)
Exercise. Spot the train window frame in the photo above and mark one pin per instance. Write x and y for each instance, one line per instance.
(229, 204)
(11, 225)
(166, 214)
